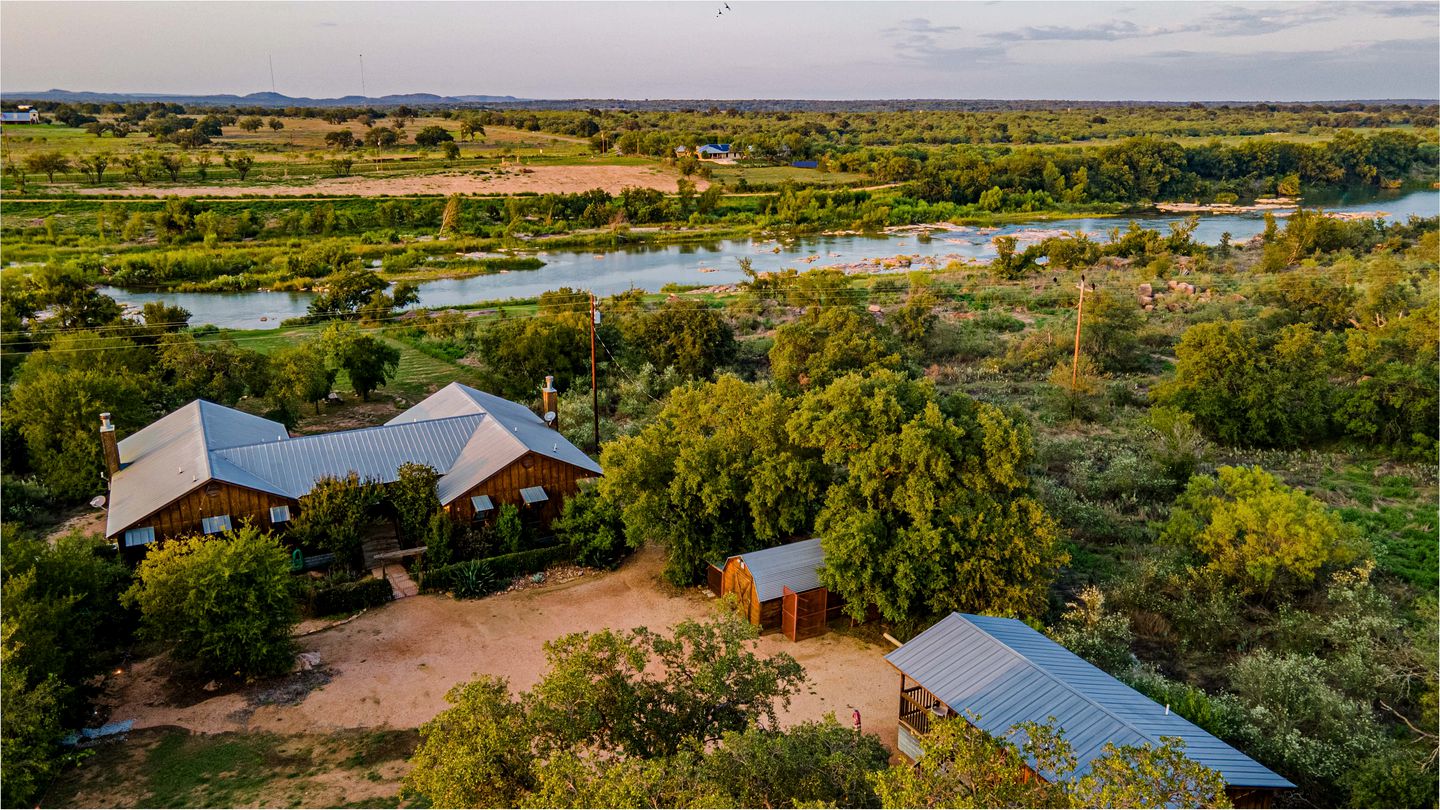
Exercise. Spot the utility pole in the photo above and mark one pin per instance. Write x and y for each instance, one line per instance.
(1079, 318)
(594, 389)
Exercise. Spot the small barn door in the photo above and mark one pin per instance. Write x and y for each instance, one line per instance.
(789, 606)
(802, 615)
(745, 595)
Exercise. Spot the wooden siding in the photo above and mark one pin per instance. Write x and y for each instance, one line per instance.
(736, 579)
(559, 479)
(183, 515)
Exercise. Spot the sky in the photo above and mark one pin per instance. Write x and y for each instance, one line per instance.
(1160, 51)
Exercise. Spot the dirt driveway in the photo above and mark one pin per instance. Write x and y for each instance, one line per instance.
(511, 180)
(394, 665)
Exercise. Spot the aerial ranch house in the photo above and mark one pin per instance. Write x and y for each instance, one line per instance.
(205, 468)
(996, 673)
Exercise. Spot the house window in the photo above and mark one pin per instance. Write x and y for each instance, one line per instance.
(215, 525)
(279, 514)
(483, 505)
(140, 536)
(533, 495)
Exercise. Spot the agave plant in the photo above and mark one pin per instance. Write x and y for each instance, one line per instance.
(473, 580)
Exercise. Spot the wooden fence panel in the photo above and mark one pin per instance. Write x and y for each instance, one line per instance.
(804, 614)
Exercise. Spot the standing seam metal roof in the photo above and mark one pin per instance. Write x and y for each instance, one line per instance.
(793, 565)
(513, 431)
(1000, 672)
(171, 456)
(293, 466)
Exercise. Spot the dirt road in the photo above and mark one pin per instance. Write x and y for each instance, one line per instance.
(512, 180)
(395, 664)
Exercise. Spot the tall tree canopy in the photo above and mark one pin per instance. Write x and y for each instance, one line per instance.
(958, 530)
(714, 474)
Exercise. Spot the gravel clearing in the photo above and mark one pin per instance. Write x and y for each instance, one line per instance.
(392, 666)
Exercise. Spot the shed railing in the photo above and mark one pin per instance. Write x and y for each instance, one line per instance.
(918, 707)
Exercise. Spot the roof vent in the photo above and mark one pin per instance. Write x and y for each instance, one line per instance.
(556, 448)
(1167, 708)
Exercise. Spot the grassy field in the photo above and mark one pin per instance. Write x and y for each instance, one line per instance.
(169, 767)
(419, 374)
(298, 153)
(774, 175)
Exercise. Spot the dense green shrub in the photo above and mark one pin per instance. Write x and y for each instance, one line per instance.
(413, 497)
(222, 603)
(1257, 534)
(333, 515)
(349, 597)
(508, 531)
(593, 527)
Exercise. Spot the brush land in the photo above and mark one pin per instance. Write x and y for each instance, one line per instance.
(1227, 502)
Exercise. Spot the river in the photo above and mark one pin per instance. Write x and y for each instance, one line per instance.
(652, 267)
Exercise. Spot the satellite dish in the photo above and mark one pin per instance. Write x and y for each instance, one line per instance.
(549, 417)
(98, 502)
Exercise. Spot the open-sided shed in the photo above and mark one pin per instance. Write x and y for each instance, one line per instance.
(997, 673)
(779, 588)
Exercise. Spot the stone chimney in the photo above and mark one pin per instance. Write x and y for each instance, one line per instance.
(550, 403)
(110, 445)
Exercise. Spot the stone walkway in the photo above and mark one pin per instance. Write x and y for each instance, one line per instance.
(400, 582)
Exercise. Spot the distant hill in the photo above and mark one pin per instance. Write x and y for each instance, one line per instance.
(747, 105)
(256, 99)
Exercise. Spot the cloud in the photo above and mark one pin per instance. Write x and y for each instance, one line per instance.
(917, 41)
(1098, 32)
(1399, 9)
(1247, 21)
(920, 25)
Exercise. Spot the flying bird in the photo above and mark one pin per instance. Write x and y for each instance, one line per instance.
(727, 6)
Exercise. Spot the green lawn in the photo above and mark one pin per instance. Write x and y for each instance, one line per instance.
(771, 175)
(418, 374)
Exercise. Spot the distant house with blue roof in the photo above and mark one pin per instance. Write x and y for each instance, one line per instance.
(23, 115)
(996, 673)
(714, 151)
(205, 468)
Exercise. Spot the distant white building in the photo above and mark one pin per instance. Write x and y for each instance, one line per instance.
(22, 115)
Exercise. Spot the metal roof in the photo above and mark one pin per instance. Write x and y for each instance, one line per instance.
(292, 467)
(793, 565)
(1000, 672)
(467, 435)
(171, 456)
(513, 431)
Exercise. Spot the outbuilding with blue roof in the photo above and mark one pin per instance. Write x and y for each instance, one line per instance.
(997, 673)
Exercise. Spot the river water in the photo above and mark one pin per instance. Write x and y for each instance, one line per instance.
(651, 267)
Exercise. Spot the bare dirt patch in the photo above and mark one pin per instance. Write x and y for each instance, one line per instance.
(538, 179)
(85, 520)
(394, 665)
